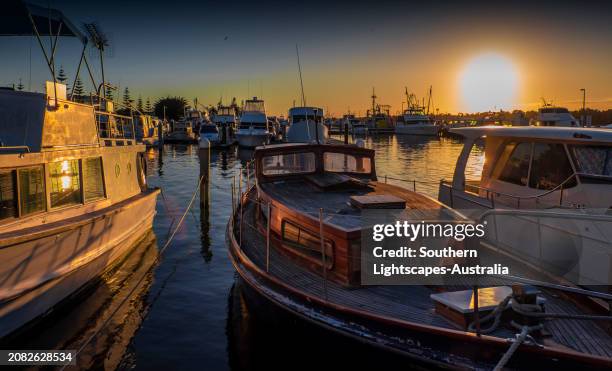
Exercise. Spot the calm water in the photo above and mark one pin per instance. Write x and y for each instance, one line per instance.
(188, 311)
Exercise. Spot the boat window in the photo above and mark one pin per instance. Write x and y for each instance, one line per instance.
(93, 179)
(513, 164)
(31, 190)
(290, 163)
(298, 118)
(65, 183)
(345, 163)
(307, 243)
(550, 167)
(593, 160)
(8, 199)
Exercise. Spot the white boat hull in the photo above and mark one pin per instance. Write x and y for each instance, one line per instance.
(44, 265)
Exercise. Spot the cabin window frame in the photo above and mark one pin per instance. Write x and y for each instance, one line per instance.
(103, 179)
(49, 186)
(346, 172)
(16, 200)
(315, 161)
(20, 213)
(496, 176)
(569, 184)
(302, 250)
(532, 143)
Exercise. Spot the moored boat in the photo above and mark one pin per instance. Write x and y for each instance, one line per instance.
(253, 129)
(306, 125)
(551, 186)
(295, 239)
(415, 120)
(74, 197)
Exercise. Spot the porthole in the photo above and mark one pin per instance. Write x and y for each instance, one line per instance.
(117, 170)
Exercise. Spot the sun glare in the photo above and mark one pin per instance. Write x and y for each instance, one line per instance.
(488, 82)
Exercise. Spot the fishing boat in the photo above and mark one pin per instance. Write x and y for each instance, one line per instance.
(74, 197)
(550, 115)
(415, 120)
(209, 135)
(253, 130)
(147, 129)
(186, 130)
(379, 120)
(306, 125)
(295, 238)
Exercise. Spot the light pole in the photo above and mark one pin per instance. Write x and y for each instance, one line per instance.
(583, 118)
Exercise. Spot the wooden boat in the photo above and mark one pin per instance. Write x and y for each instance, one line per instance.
(73, 193)
(302, 195)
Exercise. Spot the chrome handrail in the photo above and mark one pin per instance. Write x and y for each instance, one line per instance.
(516, 197)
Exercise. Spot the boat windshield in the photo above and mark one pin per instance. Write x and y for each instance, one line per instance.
(290, 163)
(346, 163)
(254, 106)
(298, 118)
(593, 160)
(255, 125)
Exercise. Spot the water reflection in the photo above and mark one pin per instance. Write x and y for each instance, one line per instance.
(71, 326)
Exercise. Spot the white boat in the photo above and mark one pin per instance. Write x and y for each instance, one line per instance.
(416, 121)
(549, 115)
(253, 130)
(209, 135)
(306, 125)
(74, 197)
(225, 119)
(546, 193)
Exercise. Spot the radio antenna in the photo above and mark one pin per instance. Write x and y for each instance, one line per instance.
(297, 52)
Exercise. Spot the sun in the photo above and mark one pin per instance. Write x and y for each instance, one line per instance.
(488, 82)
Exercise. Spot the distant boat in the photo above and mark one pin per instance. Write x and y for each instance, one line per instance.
(75, 198)
(416, 121)
(225, 119)
(549, 115)
(253, 130)
(307, 125)
(356, 126)
(186, 130)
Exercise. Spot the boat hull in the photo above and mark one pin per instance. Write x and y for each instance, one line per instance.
(55, 261)
(252, 140)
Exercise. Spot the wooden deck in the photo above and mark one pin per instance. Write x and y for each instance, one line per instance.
(408, 303)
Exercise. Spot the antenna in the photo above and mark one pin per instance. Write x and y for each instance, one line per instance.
(297, 52)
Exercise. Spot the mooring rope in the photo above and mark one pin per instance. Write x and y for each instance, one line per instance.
(129, 295)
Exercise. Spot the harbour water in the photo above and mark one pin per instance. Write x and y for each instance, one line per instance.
(189, 307)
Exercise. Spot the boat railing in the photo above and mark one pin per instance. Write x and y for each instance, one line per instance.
(492, 194)
(115, 129)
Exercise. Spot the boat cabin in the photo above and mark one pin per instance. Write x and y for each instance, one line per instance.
(298, 179)
(534, 167)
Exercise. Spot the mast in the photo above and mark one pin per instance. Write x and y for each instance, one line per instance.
(373, 102)
(429, 99)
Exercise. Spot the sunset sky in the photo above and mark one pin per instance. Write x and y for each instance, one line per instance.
(477, 56)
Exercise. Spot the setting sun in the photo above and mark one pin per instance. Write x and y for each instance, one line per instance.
(488, 82)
